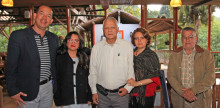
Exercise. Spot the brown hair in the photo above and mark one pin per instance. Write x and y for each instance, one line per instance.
(145, 34)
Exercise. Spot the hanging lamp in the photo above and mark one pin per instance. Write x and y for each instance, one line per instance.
(7, 3)
(175, 3)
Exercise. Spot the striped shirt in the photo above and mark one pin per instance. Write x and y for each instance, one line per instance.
(43, 48)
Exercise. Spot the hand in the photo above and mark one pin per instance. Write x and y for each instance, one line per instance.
(17, 98)
(95, 98)
(132, 82)
(89, 103)
(189, 95)
(122, 92)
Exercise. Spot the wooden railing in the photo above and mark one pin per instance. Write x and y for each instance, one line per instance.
(216, 93)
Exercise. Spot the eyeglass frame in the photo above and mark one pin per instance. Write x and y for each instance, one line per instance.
(188, 37)
(74, 40)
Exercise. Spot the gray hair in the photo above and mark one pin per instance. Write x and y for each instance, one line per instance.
(188, 29)
(110, 18)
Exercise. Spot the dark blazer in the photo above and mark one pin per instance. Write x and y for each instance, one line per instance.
(65, 92)
(23, 62)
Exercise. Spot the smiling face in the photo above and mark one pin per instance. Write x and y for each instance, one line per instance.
(188, 40)
(73, 42)
(139, 40)
(43, 18)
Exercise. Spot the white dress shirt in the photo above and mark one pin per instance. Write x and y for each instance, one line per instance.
(111, 65)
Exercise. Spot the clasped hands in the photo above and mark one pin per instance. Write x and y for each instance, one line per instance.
(189, 95)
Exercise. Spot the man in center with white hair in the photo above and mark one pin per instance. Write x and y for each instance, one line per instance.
(111, 66)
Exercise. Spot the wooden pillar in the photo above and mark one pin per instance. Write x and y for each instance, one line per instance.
(209, 28)
(10, 28)
(175, 34)
(170, 39)
(105, 12)
(31, 19)
(68, 21)
(1, 96)
(144, 16)
(155, 42)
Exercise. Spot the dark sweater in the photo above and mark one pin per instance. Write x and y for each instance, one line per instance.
(65, 92)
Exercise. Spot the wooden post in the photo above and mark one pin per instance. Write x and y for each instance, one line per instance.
(31, 19)
(170, 39)
(175, 34)
(144, 16)
(68, 17)
(1, 96)
(105, 12)
(155, 41)
(209, 28)
(10, 28)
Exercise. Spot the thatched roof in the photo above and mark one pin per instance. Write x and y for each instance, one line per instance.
(161, 26)
(125, 18)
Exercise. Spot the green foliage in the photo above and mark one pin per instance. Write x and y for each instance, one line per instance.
(188, 16)
(132, 9)
(165, 11)
(59, 30)
(3, 43)
(161, 39)
(153, 14)
(4, 40)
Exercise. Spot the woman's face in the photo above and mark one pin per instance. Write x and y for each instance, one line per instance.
(139, 40)
(73, 43)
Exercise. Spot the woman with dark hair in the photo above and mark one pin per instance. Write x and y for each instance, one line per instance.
(147, 71)
(72, 64)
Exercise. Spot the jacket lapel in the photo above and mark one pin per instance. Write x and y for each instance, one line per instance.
(32, 40)
(197, 57)
(179, 57)
(50, 45)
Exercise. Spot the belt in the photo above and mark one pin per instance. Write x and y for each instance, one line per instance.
(114, 90)
(45, 81)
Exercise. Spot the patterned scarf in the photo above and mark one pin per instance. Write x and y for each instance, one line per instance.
(146, 66)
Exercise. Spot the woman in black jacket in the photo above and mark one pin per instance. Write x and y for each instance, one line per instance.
(72, 70)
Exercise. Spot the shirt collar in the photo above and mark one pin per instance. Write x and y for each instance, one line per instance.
(35, 33)
(192, 53)
(116, 42)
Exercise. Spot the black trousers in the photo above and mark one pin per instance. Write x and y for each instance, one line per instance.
(149, 102)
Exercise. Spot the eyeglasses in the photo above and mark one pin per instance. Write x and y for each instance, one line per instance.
(188, 37)
(74, 40)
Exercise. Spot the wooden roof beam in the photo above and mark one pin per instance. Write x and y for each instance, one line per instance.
(83, 19)
(200, 3)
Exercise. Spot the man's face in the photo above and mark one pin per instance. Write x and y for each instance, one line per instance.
(110, 29)
(43, 18)
(188, 40)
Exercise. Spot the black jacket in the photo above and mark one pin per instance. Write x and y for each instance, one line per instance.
(23, 62)
(65, 92)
